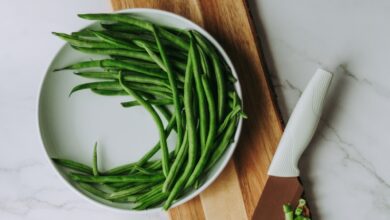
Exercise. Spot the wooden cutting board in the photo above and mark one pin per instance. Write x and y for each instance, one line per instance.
(236, 191)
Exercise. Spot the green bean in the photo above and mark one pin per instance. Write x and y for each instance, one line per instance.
(174, 39)
(161, 63)
(114, 42)
(152, 201)
(221, 87)
(211, 135)
(106, 188)
(177, 164)
(223, 144)
(140, 88)
(144, 68)
(73, 165)
(143, 170)
(173, 83)
(128, 19)
(201, 96)
(115, 86)
(155, 166)
(120, 17)
(156, 118)
(116, 179)
(192, 135)
(227, 119)
(130, 77)
(119, 52)
(151, 101)
(203, 61)
(94, 191)
(152, 55)
(127, 192)
(120, 169)
(122, 27)
(95, 169)
(127, 199)
(85, 33)
(155, 189)
(109, 92)
(79, 42)
(130, 37)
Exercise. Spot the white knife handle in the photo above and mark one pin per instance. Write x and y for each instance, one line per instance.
(301, 126)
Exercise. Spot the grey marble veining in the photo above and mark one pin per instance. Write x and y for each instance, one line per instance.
(346, 168)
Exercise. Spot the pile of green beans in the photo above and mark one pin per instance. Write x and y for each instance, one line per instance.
(174, 74)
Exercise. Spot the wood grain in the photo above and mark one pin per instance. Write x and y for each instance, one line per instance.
(236, 192)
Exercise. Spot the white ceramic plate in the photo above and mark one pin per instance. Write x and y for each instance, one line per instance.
(69, 126)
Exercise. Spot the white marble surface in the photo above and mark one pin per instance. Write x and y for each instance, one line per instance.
(345, 170)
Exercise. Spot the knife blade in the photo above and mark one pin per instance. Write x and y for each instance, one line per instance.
(283, 185)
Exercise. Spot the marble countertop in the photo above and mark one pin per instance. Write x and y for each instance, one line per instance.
(346, 168)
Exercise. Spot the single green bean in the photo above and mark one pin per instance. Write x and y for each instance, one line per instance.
(116, 179)
(105, 92)
(151, 101)
(76, 166)
(173, 83)
(118, 52)
(123, 27)
(200, 95)
(150, 109)
(177, 164)
(115, 86)
(130, 77)
(95, 169)
(79, 42)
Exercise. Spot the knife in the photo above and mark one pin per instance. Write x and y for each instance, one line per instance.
(283, 185)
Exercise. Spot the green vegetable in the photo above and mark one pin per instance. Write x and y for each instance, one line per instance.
(116, 179)
(173, 83)
(95, 169)
(156, 118)
(192, 135)
(76, 166)
(288, 212)
(174, 74)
